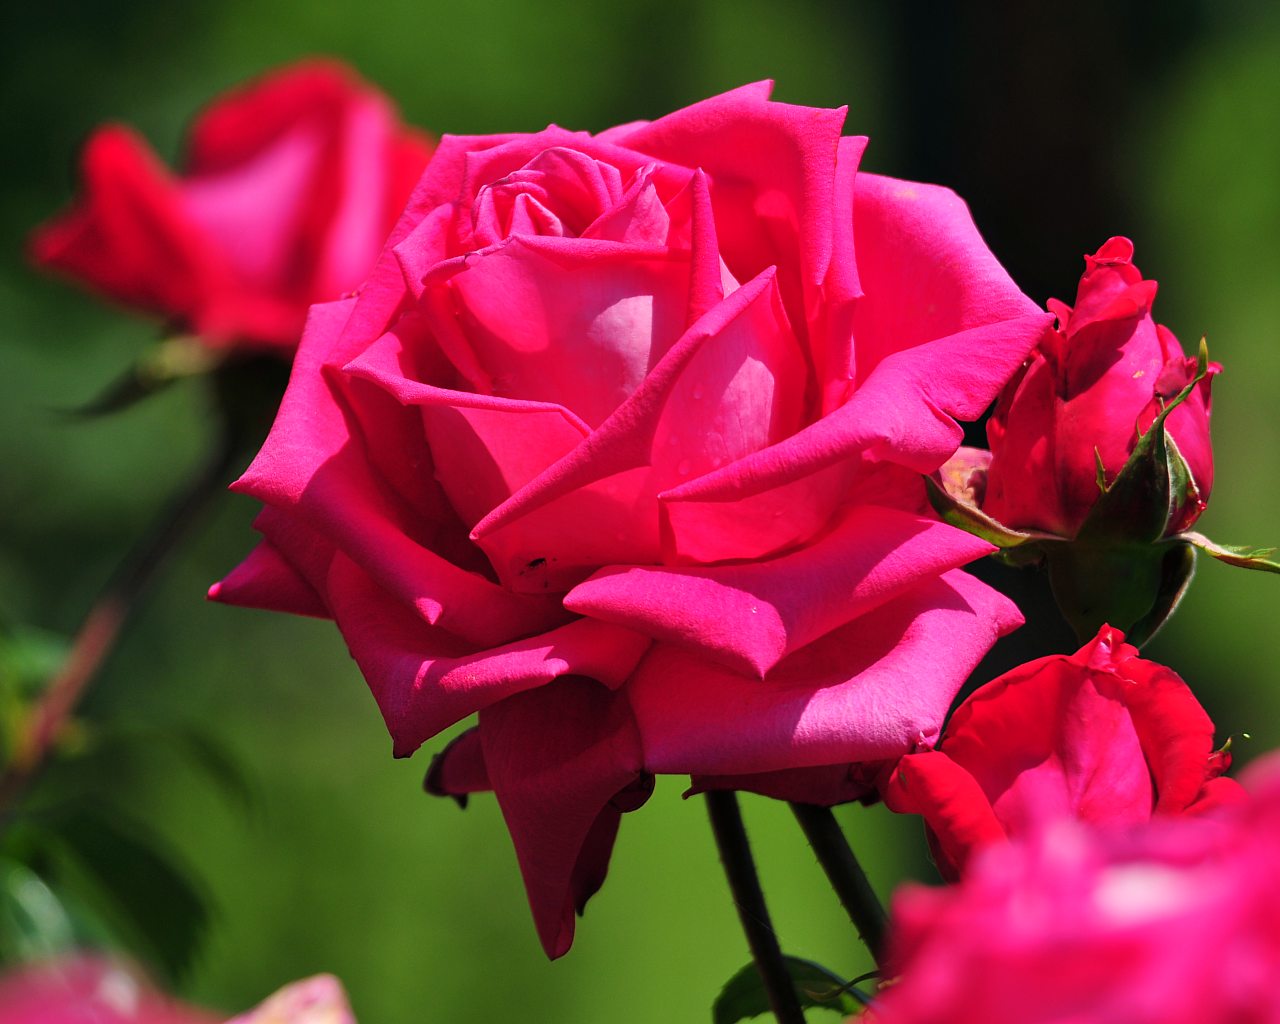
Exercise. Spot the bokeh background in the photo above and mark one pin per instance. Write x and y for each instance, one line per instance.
(1154, 120)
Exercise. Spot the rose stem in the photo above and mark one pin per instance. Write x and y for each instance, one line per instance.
(744, 883)
(845, 874)
(115, 604)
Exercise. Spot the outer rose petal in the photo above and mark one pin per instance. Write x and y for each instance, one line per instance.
(565, 761)
(955, 808)
(824, 786)
(266, 580)
(425, 680)
(750, 616)
(925, 271)
(867, 692)
(87, 989)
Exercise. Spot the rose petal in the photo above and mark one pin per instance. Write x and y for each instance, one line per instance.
(867, 692)
(750, 616)
(265, 580)
(925, 271)
(425, 679)
(558, 757)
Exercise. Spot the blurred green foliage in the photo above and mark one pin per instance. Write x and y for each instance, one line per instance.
(339, 862)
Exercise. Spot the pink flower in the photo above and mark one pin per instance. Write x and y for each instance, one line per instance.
(87, 989)
(1094, 384)
(289, 187)
(1175, 921)
(619, 446)
(1102, 736)
(317, 1000)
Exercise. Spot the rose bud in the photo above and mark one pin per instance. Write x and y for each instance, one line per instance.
(287, 191)
(1171, 921)
(620, 447)
(1100, 460)
(1100, 735)
(316, 1000)
(1070, 420)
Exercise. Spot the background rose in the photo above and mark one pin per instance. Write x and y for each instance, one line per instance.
(1172, 921)
(1102, 735)
(618, 428)
(289, 186)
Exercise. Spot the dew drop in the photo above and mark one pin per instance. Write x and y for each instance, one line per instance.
(684, 467)
(697, 391)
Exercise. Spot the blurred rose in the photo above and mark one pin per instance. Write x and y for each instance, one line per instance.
(1093, 386)
(619, 446)
(289, 187)
(1176, 921)
(1102, 736)
(318, 1000)
(87, 989)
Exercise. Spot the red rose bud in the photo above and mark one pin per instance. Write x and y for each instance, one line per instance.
(1101, 736)
(289, 189)
(1067, 424)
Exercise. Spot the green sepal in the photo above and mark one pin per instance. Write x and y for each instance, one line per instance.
(744, 994)
(1133, 587)
(1244, 557)
(34, 924)
(1136, 508)
(171, 360)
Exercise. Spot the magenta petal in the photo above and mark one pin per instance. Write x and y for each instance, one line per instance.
(559, 757)
(315, 467)
(572, 322)
(597, 506)
(266, 580)
(904, 413)
(750, 616)
(925, 271)
(871, 690)
(425, 680)
(823, 786)
(459, 769)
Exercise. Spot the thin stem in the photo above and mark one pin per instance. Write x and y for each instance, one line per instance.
(845, 874)
(98, 634)
(744, 883)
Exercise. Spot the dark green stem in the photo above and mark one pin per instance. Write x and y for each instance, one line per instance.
(744, 883)
(845, 874)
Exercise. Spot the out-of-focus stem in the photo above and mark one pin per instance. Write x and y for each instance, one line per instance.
(744, 883)
(98, 634)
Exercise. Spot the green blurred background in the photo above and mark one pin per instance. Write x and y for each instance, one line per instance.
(1156, 121)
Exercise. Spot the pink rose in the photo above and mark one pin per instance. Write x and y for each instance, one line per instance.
(1102, 736)
(290, 185)
(619, 446)
(317, 1000)
(1175, 921)
(87, 989)
(1093, 386)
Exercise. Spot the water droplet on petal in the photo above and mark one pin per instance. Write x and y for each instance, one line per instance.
(684, 468)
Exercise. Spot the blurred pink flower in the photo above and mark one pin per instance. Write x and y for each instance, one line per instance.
(1174, 921)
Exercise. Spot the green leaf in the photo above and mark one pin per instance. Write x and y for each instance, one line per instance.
(127, 878)
(744, 995)
(33, 922)
(1245, 557)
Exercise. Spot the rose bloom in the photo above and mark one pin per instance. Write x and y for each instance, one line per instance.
(1175, 921)
(1101, 735)
(619, 446)
(1094, 385)
(316, 1000)
(288, 189)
